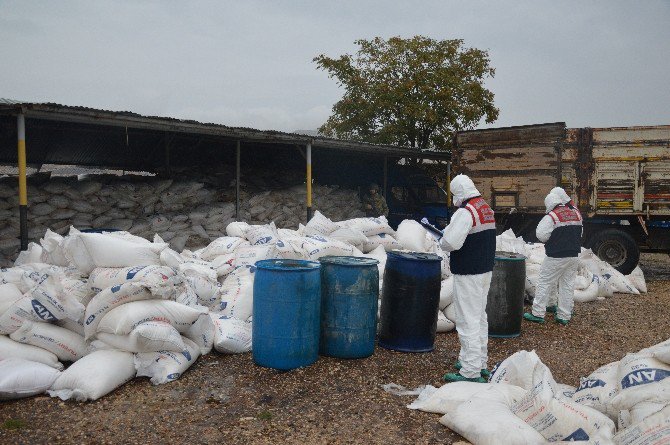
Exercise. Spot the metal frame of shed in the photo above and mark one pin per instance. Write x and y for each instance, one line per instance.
(82, 118)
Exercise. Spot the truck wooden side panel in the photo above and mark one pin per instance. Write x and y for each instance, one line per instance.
(512, 167)
(632, 171)
(608, 171)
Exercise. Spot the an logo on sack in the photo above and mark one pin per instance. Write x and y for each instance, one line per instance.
(90, 319)
(252, 268)
(116, 288)
(382, 235)
(133, 271)
(263, 240)
(643, 376)
(186, 354)
(318, 238)
(588, 384)
(224, 304)
(578, 435)
(280, 243)
(42, 312)
(173, 376)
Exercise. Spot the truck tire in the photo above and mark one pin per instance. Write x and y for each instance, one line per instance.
(617, 248)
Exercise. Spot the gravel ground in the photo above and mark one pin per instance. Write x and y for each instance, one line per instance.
(228, 399)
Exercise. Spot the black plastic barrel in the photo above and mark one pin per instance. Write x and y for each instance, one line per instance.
(410, 301)
(504, 306)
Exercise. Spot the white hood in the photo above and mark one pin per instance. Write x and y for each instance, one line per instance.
(564, 197)
(462, 188)
(551, 201)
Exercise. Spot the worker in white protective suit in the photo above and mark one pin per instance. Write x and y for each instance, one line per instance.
(561, 231)
(552, 304)
(471, 239)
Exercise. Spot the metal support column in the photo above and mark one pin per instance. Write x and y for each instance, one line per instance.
(309, 181)
(23, 188)
(237, 182)
(386, 173)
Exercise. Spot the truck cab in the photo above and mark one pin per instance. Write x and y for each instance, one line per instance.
(412, 194)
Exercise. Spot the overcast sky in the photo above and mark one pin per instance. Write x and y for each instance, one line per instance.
(249, 63)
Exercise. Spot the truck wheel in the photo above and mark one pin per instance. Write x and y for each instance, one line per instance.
(617, 248)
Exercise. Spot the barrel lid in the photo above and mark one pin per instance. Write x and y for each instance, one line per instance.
(413, 256)
(287, 265)
(348, 261)
(509, 256)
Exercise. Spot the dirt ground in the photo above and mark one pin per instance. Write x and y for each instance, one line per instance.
(227, 399)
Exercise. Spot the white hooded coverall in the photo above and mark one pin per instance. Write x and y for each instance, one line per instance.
(565, 200)
(470, 290)
(560, 269)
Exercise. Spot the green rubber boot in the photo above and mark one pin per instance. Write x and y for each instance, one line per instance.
(530, 317)
(485, 372)
(552, 309)
(562, 322)
(457, 377)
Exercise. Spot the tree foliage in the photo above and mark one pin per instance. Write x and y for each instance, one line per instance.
(411, 92)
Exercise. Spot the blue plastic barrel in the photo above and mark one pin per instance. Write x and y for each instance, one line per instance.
(410, 301)
(349, 294)
(287, 301)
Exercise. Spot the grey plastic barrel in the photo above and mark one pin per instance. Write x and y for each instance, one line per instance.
(504, 306)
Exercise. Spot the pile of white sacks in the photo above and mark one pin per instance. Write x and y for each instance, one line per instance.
(117, 306)
(186, 213)
(623, 403)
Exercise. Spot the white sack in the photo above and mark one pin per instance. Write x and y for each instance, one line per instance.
(150, 336)
(237, 293)
(524, 369)
(24, 378)
(443, 323)
(166, 366)
(9, 294)
(369, 226)
(485, 419)
(224, 245)
(158, 279)
(67, 345)
(412, 236)
(320, 225)
(563, 419)
(237, 229)
(86, 251)
(383, 239)
(94, 376)
(446, 292)
(123, 319)
(232, 336)
(654, 430)
(446, 398)
(598, 389)
(109, 299)
(12, 349)
(639, 376)
(636, 277)
(247, 256)
(202, 333)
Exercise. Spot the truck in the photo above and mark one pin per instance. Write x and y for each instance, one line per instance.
(618, 177)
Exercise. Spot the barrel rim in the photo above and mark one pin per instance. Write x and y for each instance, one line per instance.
(414, 256)
(349, 261)
(282, 263)
(499, 256)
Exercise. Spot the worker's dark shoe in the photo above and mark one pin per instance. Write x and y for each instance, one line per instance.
(561, 321)
(552, 309)
(485, 372)
(457, 377)
(530, 317)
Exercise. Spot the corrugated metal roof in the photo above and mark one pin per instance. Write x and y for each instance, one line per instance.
(127, 119)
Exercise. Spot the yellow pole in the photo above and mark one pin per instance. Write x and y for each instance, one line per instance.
(309, 181)
(23, 187)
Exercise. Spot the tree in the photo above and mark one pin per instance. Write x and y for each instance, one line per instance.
(410, 92)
